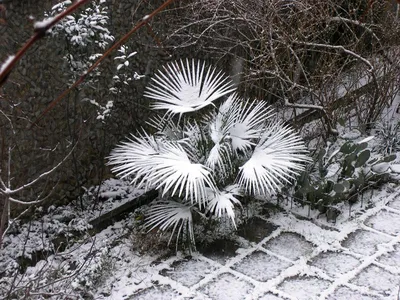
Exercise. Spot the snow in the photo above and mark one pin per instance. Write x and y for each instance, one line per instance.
(378, 279)
(188, 272)
(344, 293)
(381, 220)
(254, 266)
(364, 242)
(6, 63)
(304, 288)
(357, 258)
(41, 25)
(289, 245)
(233, 288)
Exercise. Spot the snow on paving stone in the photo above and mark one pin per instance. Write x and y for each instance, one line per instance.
(290, 245)
(164, 292)
(335, 263)
(304, 288)
(344, 293)
(269, 296)
(227, 287)
(364, 242)
(378, 279)
(391, 258)
(386, 222)
(189, 271)
(261, 266)
(395, 204)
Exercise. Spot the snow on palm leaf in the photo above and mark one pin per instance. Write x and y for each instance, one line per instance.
(249, 123)
(158, 163)
(278, 157)
(171, 214)
(236, 126)
(186, 87)
(222, 202)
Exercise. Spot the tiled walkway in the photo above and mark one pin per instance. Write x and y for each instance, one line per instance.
(290, 258)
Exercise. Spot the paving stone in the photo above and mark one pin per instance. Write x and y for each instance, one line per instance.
(163, 292)
(386, 222)
(391, 258)
(364, 242)
(261, 266)
(395, 204)
(377, 279)
(238, 288)
(188, 272)
(304, 288)
(344, 293)
(256, 229)
(290, 245)
(335, 263)
(270, 296)
(219, 250)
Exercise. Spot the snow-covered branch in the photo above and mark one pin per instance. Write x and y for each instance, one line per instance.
(341, 48)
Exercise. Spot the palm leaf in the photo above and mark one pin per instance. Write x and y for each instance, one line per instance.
(175, 173)
(278, 157)
(249, 123)
(170, 214)
(186, 87)
(219, 124)
(130, 158)
(222, 202)
(158, 163)
(166, 127)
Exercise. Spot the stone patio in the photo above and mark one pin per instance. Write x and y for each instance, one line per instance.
(293, 258)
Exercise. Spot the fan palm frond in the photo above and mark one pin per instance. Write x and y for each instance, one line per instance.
(249, 123)
(186, 87)
(173, 171)
(219, 124)
(222, 202)
(173, 215)
(130, 158)
(167, 127)
(279, 155)
(158, 163)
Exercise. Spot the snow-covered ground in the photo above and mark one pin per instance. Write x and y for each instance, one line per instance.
(357, 258)
(285, 256)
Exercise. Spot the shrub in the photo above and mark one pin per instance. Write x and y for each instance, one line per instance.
(202, 160)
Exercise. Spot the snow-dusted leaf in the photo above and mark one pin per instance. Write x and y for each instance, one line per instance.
(278, 156)
(130, 159)
(132, 54)
(173, 215)
(248, 124)
(380, 167)
(222, 202)
(395, 168)
(366, 140)
(158, 163)
(187, 87)
(175, 173)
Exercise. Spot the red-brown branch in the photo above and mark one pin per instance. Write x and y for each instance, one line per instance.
(40, 32)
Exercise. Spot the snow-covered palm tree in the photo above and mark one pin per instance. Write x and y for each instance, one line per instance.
(205, 162)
